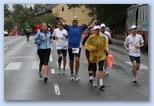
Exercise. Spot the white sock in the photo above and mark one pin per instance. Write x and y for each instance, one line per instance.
(101, 82)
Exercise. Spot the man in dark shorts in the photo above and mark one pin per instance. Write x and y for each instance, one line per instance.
(133, 43)
(74, 46)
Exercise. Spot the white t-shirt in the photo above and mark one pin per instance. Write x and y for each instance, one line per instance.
(108, 35)
(61, 40)
(133, 41)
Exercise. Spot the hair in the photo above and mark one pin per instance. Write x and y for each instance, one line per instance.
(44, 24)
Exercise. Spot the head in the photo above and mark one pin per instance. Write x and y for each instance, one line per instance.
(90, 30)
(75, 21)
(60, 25)
(133, 29)
(103, 27)
(44, 26)
(97, 29)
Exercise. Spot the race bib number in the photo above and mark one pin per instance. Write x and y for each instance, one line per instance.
(75, 50)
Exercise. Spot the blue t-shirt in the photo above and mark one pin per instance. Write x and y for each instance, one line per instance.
(43, 40)
(74, 35)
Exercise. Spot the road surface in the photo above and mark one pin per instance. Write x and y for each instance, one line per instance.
(21, 80)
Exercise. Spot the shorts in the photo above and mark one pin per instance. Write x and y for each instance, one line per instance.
(133, 58)
(71, 54)
(44, 55)
(62, 51)
(100, 66)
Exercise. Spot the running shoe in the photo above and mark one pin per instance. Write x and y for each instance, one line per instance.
(76, 78)
(102, 88)
(134, 81)
(91, 80)
(94, 83)
(40, 75)
(71, 77)
(45, 79)
(107, 73)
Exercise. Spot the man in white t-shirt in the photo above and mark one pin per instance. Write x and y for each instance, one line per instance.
(132, 44)
(60, 35)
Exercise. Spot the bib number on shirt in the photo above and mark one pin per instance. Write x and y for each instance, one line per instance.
(75, 50)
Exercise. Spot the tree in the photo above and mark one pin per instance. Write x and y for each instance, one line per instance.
(37, 7)
(7, 11)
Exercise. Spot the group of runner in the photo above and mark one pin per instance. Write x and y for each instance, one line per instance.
(69, 38)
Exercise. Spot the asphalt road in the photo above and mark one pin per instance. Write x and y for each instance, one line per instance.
(21, 80)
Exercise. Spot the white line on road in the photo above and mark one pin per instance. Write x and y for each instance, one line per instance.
(56, 89)
(51, 58)
(141, 65)
(52, 71)
(13, 66)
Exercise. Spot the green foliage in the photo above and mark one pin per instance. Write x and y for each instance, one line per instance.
(73, 5)
(22, 14)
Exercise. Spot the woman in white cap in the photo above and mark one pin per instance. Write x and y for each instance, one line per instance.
(132, 44)
(97, 45)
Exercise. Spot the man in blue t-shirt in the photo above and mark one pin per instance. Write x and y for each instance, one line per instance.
(74, 46)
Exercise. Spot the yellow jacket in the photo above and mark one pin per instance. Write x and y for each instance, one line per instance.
(100, 44)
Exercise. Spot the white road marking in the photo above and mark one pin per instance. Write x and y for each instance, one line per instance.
(13, 66)
(142, 66)
(51, 58)
(52, 71)
(35, 65)
(56, 89)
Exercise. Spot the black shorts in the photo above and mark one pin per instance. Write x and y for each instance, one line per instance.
(71, 54)
(62, 51)
(133, 58)
(44, 55)
(100, 65)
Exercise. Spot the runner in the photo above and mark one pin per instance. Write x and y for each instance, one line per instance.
(74, 46)
(108, 36)
(43, 41)
(132, 44)
(89, 32)
(60, 35)
(27, 31)
(97, 45)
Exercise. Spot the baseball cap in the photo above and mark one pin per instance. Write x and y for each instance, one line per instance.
(133, 27)
(103, 25)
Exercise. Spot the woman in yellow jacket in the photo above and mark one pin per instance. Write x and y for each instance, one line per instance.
(97, 45)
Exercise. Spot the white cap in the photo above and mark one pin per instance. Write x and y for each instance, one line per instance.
(103, 25)
(133, 27)
(97, 27)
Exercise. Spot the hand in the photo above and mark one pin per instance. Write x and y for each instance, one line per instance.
(127, 49)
